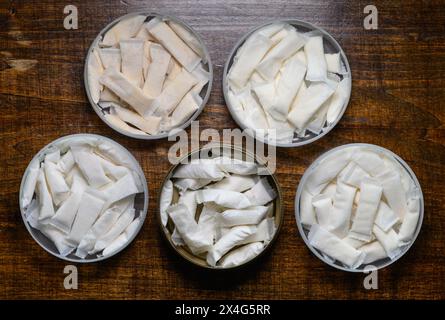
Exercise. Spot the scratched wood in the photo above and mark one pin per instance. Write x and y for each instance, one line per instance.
(397, 102)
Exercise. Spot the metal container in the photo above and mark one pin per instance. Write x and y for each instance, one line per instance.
(304, 232)
(141, 200)
(183, 251)
(204, 94)
(330, 46)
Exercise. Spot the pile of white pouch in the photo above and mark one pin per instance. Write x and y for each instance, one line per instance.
(81, 196)
(282, 79)
(360, 206)
(224, 212)
(147, 76)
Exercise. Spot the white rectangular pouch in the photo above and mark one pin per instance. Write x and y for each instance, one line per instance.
(316, 61)
(230, 240)
(261, 193)
(236, 166)
(338, 100)
(128, 92)
(165, 200)
(265, 232)
(111, 58)
(108, 150)
(247, 59)
(185, 109)
(188, 198)
(113, 171)
(187, 37)
(174, 44)
(56, 183)
(353, 175)
(373, 251)
(271, 63)
(410, 221)
(148, 124)
(208, 222)
(241, 255)
(29, 186)
(342, 209)
(323, 208)
(389, 240)
(53, 156)
(58, 238)
(89, 165)
(369, 161)
(266, 94)
(225, 198)
(122, 188)
(333, 62)
(355, 243)
(121, 224)
(284, 130)
(120, 241)
(197, 241)
(290, 81)
(307, 211)
(174, 68)
(91, 205)
(203, 77)
(157, 70)
(116, 121)
(305, 108)
(394, 192)
(235, 182)
(184, 184)
(124, 29)
(66, 162)
(363, 222)
(334, 247)
(45, 200)
(172, 94)
(200, 171)
(237, 217)
(386, 218)
(95, 71)
(132, 52)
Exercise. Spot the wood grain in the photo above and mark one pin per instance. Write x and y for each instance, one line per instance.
(397, 102)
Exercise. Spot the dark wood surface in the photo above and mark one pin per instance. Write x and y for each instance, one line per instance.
(397, 102)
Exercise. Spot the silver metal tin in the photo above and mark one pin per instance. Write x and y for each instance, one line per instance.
(204, 94)
(330, 46)
(303, 232)
(141, 201)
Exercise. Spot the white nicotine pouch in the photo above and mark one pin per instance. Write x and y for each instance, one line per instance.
(261, 193)
(410, 221)
(307, 212)
(224, 198)
(389, 240)
(165, 200)
(237, 217)
(241, 255)
(30, 183)
(323, 207)
(394, 192)
(132, 52)
(157, 70)
(374, 251)
(386, 218)
(316, 62)
(342, 209)
(56, 183)
(45, 200)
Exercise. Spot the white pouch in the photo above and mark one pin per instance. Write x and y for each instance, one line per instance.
(237, 217)
(203, 77)
(147, 58)
(128, 92)
(165, 200)
(369, 161)
(342, 209)
(225, 198)
(256, 79)
(89, 164)
(184, 184)
(90, 207)
(234, 182)
(174, 68)
(353, 175)
(355, 243)
(121, 224)
(241, 255)
(29, 186)
(284, 130)
(363, 222)
(132, 52)
(122, 188)
(45, 200)
(124, 29)
(265, 93)
(118, 122)
(95, 71)
(66, 213)
(410, 221)
(157, 70)
(120, 241)
(56, 183)
(111, 152)
(271, 63)
(338, 99)
(287, 88)
(304, 108)
(317, 122)
(103, 224)
(333, 62)
(187, 37)
(394, 192)
(330, 189)
(188, 198)
(200, 171)
(53, 156)
(389, 240)
(144, 34)
(373, 251)
(58, 238)
(111, 58)
(254, 116)
(247, 59)
(323, 207)
(208, 222)
(172, 94)
(174, 44)
(307, 212)
(185, 109)
(334, 247)
(236, 166)
(265, 232)
(66, 162)
(148, 124)
(386, 218)
(32, 213)
(261, 193)
(113, 171)
(316, 62)
(231, 239)
(188, 229)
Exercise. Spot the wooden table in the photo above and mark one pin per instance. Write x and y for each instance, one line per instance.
(397, 102)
